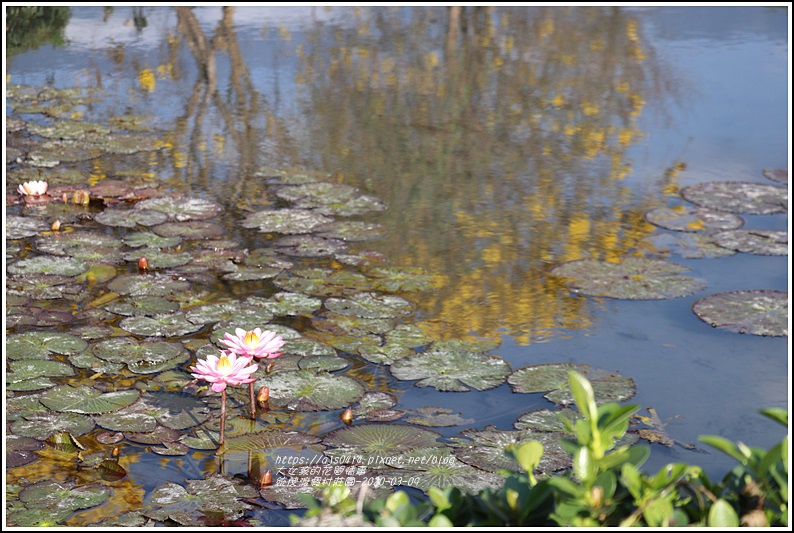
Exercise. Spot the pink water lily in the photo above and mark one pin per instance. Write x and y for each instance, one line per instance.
(33, 188)
(256, 343)
(228, 369)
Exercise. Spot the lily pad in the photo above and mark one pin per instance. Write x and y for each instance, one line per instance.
(43, 287)
(130, 218)
(39, 344)
(22, 227)
(60, 499)
(148, 239)
(754, 241)
(553, 379)
(60, 266)
(379, 445)
(351, 230)
(19, 450)
(190, 505)
(738, 197)
(182, 208)
(309, 246)
(330, 199)
(690, 245)
(322, 282)
(370, 305)
(69, 129)
(682, 218)
(780, 175)
(287, 304)
(401, 279)
(305, 390)
(545, 420)
(437, 417)
(87, 400)
(31, 374)
(252, 273)
(271, 439)
(755, 312)
(633, 279)
(291, 221)
(452, 370)
(143, 306)
(41, 425)
(194, 229)
(153, 284)
(438, 468)
(63, 243)
(165, 325)
(158, 258)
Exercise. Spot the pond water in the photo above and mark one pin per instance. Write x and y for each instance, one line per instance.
(503, 142)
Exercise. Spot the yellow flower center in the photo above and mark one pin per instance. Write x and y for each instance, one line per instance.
(224, 365)
(251, 338)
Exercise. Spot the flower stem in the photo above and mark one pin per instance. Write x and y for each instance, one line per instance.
(223, 415)
(253, 401)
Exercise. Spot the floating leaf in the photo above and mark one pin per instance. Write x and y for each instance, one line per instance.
(305, 390)
(60, 266)
(155, 435)
(738, 197)
(252, 273)
(292, 221)
(194, 229)
(39, 344)
(322, 281)
(325, 363)
(166, 325)
(62, 498)
(42, 425)
(756, 312)
(130, 218)
(42, 286)
(189, 506)
(423, 469)
(330, 199)
(158, 258)
(351, 230)
(452, 370)
(171, 449)
(553, 377)
(25, 374)
(437, 417)
(754, 241)
(22, 227)
(545, 420)
(143, 306)
(633, 279)
(182, 208)
(155, 284)
(690, 245)
(287, 304)
(779, 175)
(378, 445)
(271, 439)
(372, 402)
(309, 246)
(19, 450)
(148, 239)
(401, 279)
(87, 400)
(681, 218)
(111, 470)
(370, 305)
(65, 442)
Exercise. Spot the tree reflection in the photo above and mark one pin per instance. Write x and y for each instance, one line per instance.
(29, 27)
(500, 157)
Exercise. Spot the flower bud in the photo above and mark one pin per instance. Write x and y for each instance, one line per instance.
(143, 264)
(65, 198)
(81, 197)
(56, 226)
(347, 416)
(116, 452)
(269, 367)
(263, 395)
(266, 478)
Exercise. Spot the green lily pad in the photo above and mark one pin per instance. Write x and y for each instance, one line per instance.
(438, 468)
(19, 450)
(19, 407)
(756, 312)
(370, 305)
(399, 344)
(305, 390)
(330, 199)
(62, 498)
(41, 425)
(90, 362)
(545, 420)
(87, 400)
(31, 374)
(322, 282)
(143, 306)
(43, 286)
(738, 197)
(683, 218)
(165, 325)
(152, 284)
(401, 279)
(252, 273)
(291, 221)
(351, 230)
(159, 258)
(40, 344)
(325, 363)
(65, 442)
(372, 402)
(690, 245)
(190, 505)
(437, 417)
(130, 218)
(452, 370)
(64, 243)
(633, 279)
(54, 152)
(378, 445)
(754, 241)
(171, 449)
(148, 239)
(287, 304)
(172, 411)
(194, 229)
(553, 377)
(309, 246)
(69, 129)
(487, 449)
(271, 439)
(32, 315)
(780, 175)
(203, 439)
(182, 208)
(59, 266)
(23, 227)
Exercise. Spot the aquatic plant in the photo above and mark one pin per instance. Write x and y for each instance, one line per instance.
(33, 188)
(255, 344)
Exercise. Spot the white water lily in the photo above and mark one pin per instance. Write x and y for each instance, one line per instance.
(33, 188)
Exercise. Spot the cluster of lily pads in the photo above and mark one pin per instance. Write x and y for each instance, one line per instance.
(120, 311)
(711, 227)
